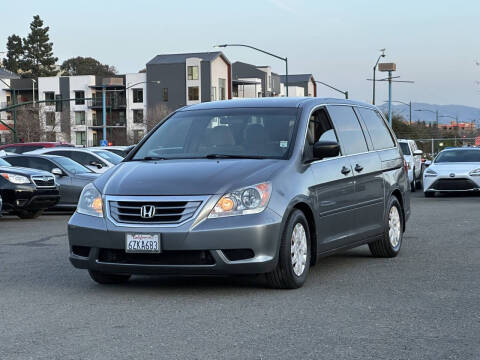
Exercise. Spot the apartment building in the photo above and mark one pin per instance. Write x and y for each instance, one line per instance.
(80, 119)
(187, 79)
(305, 81)
(245, 78)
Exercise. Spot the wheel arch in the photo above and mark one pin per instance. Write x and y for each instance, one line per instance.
(306, 208)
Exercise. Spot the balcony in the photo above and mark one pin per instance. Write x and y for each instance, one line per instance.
(113, 102)
(114, 122)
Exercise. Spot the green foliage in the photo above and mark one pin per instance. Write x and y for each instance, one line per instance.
(86, 66)
(14, 55)
(38, 59)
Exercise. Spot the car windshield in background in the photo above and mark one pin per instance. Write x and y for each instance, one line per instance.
(405, 148)
(458, 156)
(109, 156)
(72, 166)
(4, 163)
(240, 133)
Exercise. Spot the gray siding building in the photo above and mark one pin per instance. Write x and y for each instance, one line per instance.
(306, 81)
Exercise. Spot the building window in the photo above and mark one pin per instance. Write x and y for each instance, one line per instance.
(214, 93)
(165, 94)
(193, 93)
(9, 100)
(50, 118)
(79, 97)
(222, 88)
(138, 116)
(137, 135)
(79, 117)
(192, 72)
(81, 137)
(138, 95)
(49, 98)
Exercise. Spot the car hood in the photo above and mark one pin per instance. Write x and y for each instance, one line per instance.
(87, 176)
(23, 171)
(185, 176)
(447, 168)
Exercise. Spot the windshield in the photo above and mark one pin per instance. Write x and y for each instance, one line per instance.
(458, 156)
(109, 156)
(4, 163)
(405, 148)
(72, 166)
(242, 133)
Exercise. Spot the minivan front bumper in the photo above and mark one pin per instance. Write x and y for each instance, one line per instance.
(245, 244)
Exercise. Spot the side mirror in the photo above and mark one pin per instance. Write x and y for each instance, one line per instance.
(427, 163)
(97, 164)
(325, 149)
(418, 152)
(58, 172)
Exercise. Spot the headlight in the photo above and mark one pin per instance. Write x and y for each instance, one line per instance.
(475, 172)
(430, 173)
(90, 202)
(249, 200)
(16, 179)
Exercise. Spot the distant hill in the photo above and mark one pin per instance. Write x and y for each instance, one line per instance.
(464, 113)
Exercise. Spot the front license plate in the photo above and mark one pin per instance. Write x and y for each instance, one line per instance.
(142, 243)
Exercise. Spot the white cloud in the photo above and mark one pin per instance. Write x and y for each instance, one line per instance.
(285, 5)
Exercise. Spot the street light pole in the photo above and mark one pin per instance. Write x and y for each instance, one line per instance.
(374, 73)
(265, 52)
(345, 93)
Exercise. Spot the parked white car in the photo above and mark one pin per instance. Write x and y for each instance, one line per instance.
(413, 156)
(116, 149)
(96, 160)
(456, 169)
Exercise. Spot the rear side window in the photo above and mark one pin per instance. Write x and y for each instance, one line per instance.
(405, 148)
(348, 129)
(41, 164)
(377, 129)
(18, 161)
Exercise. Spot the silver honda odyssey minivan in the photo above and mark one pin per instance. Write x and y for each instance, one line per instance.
(257, 186)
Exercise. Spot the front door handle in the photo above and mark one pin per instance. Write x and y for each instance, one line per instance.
(345, 170)
(358, 168)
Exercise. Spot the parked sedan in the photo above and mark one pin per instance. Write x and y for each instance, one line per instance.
(119, 150)
(70, 175)
(98, 161)
(20, 148)
(455, 169)
(27, 192)
(413, 157)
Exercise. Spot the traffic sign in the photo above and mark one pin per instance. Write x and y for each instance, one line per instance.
(103, 142)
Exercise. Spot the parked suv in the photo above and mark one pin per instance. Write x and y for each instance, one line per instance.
(27, 192)
(413, 156)
(246, 187)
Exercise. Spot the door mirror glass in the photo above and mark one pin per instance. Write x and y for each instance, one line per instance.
(325, 149)
(418, 152)
(57, 172)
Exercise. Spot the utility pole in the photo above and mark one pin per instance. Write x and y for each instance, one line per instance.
(374, 73)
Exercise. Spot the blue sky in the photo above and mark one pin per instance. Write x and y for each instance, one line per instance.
(434, 43)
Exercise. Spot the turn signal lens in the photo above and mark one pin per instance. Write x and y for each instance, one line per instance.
(226, 204)
(90, 202)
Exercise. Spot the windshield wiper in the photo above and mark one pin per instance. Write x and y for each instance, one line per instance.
(232, 156)
(150, 158)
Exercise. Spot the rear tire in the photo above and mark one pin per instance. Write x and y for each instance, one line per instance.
(294, 254)
(29, 214)
(413, 184)
(104, 278)
(391, 242)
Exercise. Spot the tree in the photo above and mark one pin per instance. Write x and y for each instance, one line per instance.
(38, 59)
(14, 54)
(86, 66)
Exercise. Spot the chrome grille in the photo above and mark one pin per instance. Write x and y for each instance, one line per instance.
(167, 211)
(43, 181)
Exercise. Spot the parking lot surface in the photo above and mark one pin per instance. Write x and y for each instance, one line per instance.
(424, 304)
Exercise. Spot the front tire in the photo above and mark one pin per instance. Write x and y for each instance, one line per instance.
(294, 255)
(104, 278)
(413, 184)
(390, 243)
(429, 194)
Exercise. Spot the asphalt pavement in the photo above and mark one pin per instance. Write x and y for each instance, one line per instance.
(423, 304)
